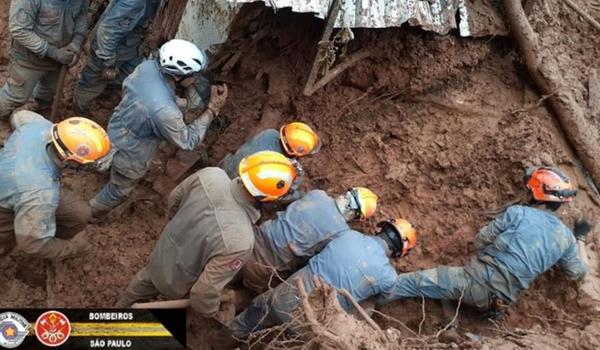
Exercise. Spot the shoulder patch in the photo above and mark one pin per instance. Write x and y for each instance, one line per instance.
(236, 264)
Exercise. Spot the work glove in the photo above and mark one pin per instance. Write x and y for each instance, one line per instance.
(582, 229)
(109, 73)
(64, 55)
(218, 97)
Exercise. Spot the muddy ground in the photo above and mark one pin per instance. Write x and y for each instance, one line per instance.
(430, 123)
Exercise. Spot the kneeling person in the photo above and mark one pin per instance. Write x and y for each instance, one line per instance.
(210, 237)
(35, 214)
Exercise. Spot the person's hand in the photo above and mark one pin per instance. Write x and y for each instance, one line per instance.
(218, 97)
(64, 55)
(109, 73)
(226, 313)
(581, 229)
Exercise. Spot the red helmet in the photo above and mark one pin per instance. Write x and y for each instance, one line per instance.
(550, 185)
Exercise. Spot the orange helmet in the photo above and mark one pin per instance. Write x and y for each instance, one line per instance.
(80, 140)
(298, 139)
(267, 175)
(550, 185)
(364, 201)
(401, 233)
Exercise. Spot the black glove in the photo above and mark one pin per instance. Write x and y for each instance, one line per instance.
(581, 229)
(64, 55)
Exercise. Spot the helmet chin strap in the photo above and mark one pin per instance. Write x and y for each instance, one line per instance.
(344, 205)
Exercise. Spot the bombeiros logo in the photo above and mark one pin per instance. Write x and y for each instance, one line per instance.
(13, 329)
(52, 328)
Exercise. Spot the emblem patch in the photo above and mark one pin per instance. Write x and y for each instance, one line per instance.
(13, 329)
(82, 150)
(236, 264)
(52, 328)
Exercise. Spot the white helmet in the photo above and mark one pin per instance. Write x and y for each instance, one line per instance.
(180, 57)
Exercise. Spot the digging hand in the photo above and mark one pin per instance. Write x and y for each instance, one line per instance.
(582, 229)
(64, 55)
(226, 313)
(218, 97)
(109, 73)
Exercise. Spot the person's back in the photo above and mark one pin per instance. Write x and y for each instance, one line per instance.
(304, 228)
(26, 167)
(355, 262)
(147, 97)
(208, 222)
(266, 140)
(529, 243)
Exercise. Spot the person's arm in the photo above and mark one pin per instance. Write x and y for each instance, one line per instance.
(115, 25)
(35, 228)
(179, 192)
(574, 260)
(81, 26)
(23, 15)
(171, 126)
(23, 117)
(205, 295)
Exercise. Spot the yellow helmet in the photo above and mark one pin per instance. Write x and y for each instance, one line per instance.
(299, 139)
(80, 140)
(401, 233)
(366, 201)
(267, 175)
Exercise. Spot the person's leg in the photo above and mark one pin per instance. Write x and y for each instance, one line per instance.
(7, 231)
(118, 188)
(72, 215)
(254, 318)
(140, 288)
(46, 89)
(444, 282)
(90, 85)
(18, 88)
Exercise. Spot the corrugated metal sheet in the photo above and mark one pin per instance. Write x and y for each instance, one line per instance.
(436, 15)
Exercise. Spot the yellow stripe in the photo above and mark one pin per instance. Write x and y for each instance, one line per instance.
(125, 329)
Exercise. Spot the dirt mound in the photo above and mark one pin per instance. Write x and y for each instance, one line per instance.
(439, 127)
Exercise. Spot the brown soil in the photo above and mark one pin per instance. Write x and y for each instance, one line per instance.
(427, 123)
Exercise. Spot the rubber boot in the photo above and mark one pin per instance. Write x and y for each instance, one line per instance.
(99, 212)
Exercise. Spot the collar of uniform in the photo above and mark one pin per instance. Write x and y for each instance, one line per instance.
(250, 207)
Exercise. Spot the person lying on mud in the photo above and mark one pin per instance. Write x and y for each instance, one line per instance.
(353, 261)
(286, 243)
(211, 235)
(149, 114)
(36, 215)
(514, 249)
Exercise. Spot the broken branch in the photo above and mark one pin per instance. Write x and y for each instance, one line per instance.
(583, 14)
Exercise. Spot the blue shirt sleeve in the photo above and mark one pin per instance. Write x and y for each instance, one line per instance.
(116, 24)
(23, 14)
(170, 126)
(571, 263)
(35, 225)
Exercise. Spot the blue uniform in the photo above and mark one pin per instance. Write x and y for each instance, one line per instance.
(266, 140)
(35, 24)
(353, 261)
(30, 188)
(146, 116)
(294, 236)
(115, 42)
(516, 248)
